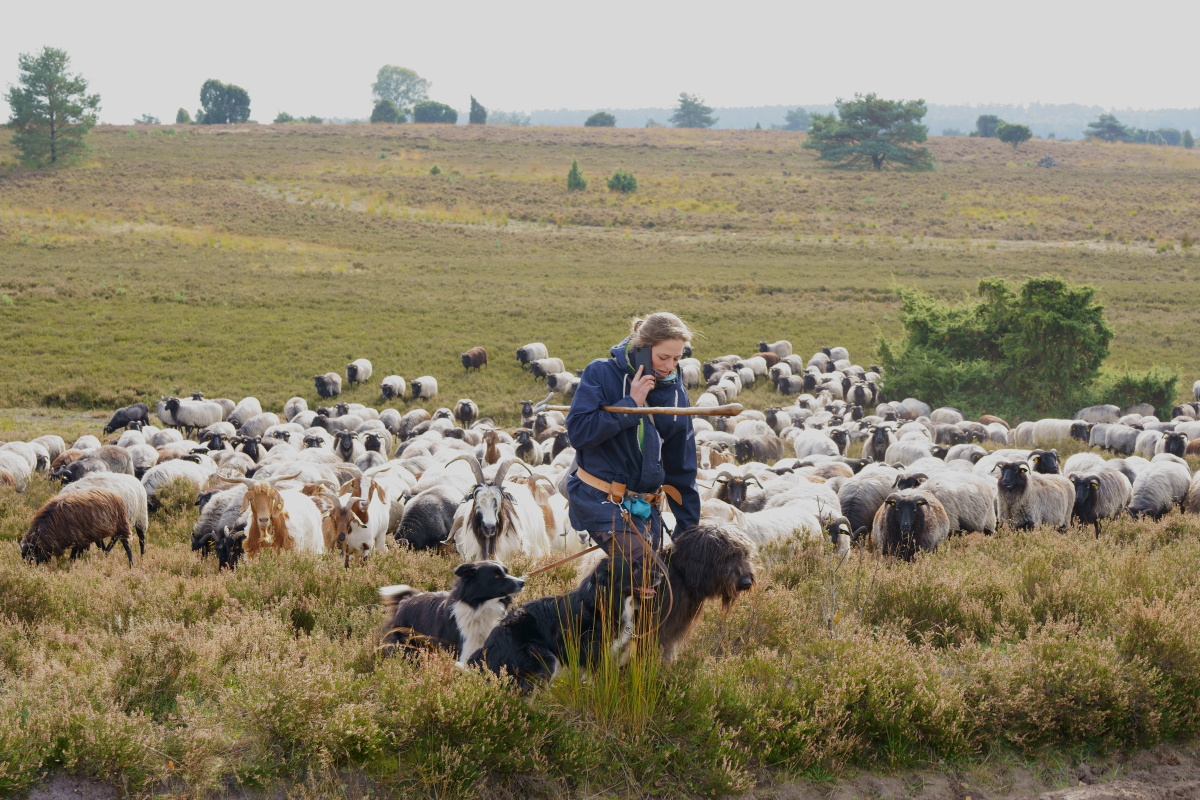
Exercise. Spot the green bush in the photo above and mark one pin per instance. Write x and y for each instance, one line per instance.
(431, 111)
(1188, 140)
(622, 181)
(182, 117)
(1032, 351)
(283, 116)
(386, 111)
(575, 180)
(601, 119)
(478, 113)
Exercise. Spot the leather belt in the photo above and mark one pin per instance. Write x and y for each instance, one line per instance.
(617, 492)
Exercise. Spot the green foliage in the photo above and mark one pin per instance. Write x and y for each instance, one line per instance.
(434, 112)
(182, 117)
(692, 113)
(404, 87)
(386, 111)
(952, 132)
(1188, 140)
(51, 112)
(1157, 386)
(223, 103)
(1155, 138)
(601, 119)
(869, 130)
(478, 113)
(575, 180)
(1170, 136)
(516, 119)
(435, 170)
(796, 120)
(1036, 350)
(1014, 134)
(622, 181)
(1107, 129)
(313, 118)
(283, 116)
(986, 125)
(147, 119)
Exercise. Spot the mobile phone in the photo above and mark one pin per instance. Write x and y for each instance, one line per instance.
(642, 357)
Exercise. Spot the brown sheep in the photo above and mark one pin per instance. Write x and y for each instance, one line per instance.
(474, 358)
(75, 522)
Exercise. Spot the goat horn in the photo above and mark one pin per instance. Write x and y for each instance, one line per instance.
(337, 500)
(474, 462)
(728, 475)
(239, 479)
(274, 479)
(504, 467)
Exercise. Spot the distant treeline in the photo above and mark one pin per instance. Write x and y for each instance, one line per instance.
(1065, 121)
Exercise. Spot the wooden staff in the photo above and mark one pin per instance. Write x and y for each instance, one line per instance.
(729, 410)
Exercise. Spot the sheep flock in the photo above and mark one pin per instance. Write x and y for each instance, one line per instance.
(354, 480)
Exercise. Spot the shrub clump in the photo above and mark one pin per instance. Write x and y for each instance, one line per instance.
(575, 180)
(622, 181)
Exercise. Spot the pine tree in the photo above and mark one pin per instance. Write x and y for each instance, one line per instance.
(51, 112)
(478, 114)
(575, 180)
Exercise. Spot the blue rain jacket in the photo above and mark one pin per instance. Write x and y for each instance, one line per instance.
(619, 447)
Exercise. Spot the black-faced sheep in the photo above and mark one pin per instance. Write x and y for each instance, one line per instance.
(328, 385)
(392, 387)
(474, 358)
(545, 367)
(1100, 493)
(1160, 486)
(424, 388)
(428, 517)
(910, 521)
(122, 417)
(861, 496)
(1026, 498)
(877, 445)
(531, 352)
(75, 521)
(758, 448)
(782, 348)
(358, 371)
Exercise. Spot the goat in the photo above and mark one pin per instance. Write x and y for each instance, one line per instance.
(286, 520)
(75, 521)
(491, 524)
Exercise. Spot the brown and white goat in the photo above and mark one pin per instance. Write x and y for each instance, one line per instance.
(285, 520)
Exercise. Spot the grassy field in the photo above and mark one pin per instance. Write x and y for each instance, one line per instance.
(244, 261)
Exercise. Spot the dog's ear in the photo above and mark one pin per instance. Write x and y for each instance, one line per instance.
(465, 570)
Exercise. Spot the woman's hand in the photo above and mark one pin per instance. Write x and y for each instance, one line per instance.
(640, 387)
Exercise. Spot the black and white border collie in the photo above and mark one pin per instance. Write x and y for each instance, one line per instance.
(533, 642)
(458, 620)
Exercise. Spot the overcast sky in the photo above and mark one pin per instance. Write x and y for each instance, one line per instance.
(321, 58)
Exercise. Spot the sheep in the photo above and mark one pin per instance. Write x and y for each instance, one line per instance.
(530, 353)
(328, 385)
(690, 372)
(248, 408)
(763, 526)
(122, 417)
(528, 448)
(392, 387)
(563, 383)
(428, 517)
(474, 358)
(758, 448)
(76, 521)
(1095, 414)
(781, 348)
(544, 367)
(916, 407)
(195, 415)
(946, 416)
(1158, 487)
(424, 388)
(877, 444)
(466, 411)
(162, 475)
(219, 509)
(1173, 442)
(347, 446)
(358, 371)
(967, 498)
(909, 521)
(131, 492)
(966, 452)
(285, 519)
(807, 443)
(295, 405)
(1026, 498)
(17, 467)
(1100, 493)
(734, 489)
(861, 496)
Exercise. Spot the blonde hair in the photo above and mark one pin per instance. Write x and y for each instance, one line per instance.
(658, 327)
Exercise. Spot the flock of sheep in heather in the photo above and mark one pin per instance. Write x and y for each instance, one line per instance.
(353, 480)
